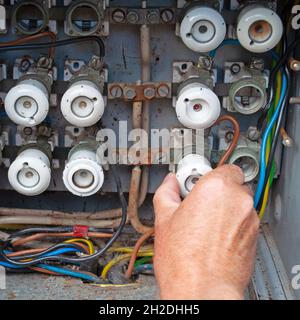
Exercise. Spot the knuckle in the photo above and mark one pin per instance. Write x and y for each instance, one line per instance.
(237, 170)
(247, 206)
(216, 182)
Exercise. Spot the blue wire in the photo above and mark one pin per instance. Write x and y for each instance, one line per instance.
(267, 132)
(144, 267)
(55, 269)
(59, 270)
(54, 253)
(67, 272)
(9, 265)
(60, 251)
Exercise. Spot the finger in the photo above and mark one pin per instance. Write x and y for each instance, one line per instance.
(231, 172)
(166, 199)
(248, 190)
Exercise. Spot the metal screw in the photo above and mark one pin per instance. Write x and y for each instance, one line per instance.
(149, 93)
(27, 131)
(253, 134)
(153, 17)
(287, 141)
(43, 62)
(257, 64)
(118, 16)
(295, 65)
(167, 15)
(95, 63)
(133, 17)
(116, 92)
(235, 68)
(25, 65)
(205, 62)
(229, 136)
(163, 91)
(44, 131)
(129, 93)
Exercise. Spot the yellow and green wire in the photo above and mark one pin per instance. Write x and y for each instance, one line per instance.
(269, 145)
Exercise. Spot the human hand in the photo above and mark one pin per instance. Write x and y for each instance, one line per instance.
(205, 245)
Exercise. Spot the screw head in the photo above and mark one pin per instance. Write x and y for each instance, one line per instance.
(235, 68)
(167, 15)
(25, 65)
(295, 65)
(27, 131)
(258, 64)
(205, 62)
(152, 17)
(116, 91)
(229, 136)
(129, 93)
(253, 134)
(163, 91)
(44, 62)
(133, 17)
(149, 93)
(118, 16)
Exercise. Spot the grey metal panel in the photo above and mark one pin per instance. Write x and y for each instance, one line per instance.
(284, 210)
(270, 280)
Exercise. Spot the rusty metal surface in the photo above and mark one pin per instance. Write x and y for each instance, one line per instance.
(139, 92)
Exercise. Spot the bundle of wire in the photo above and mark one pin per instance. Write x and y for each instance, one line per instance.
(127, 254)
(274, 115)
(70, 252)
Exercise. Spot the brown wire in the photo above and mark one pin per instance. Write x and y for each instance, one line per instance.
(23, 252)
(57, 235)
(135, 251)
(235, 140)
(32, 38)
(37, 250)
(45, 271)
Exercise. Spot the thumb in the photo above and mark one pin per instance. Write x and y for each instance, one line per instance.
(166, 199)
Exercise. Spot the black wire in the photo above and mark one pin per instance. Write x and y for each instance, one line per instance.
(24, 232)
(91, 257)
(59, 43)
